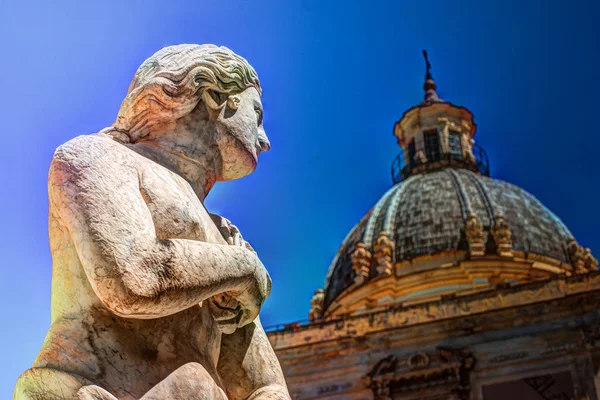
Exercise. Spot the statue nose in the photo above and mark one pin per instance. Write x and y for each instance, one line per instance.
(264, 143)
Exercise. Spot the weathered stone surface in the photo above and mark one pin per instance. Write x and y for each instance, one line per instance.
(411, 351)
(152, 296)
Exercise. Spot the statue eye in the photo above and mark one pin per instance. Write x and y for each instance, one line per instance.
(259, 116)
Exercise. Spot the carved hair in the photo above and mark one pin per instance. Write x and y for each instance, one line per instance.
(169, 84)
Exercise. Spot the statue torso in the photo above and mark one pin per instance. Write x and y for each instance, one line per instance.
(88, 339)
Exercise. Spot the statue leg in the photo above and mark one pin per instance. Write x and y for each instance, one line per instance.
(189, 382)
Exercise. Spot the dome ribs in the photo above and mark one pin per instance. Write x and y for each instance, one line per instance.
(370, 229)
(465, 204)
(481, 187)
(393, 208)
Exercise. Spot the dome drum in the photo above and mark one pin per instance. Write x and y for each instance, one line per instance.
(433, 278)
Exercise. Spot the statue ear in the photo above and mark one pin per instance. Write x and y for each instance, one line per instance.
(233, 102)
(216, 101)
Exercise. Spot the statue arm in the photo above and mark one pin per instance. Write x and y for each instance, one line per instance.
(135, 274)
(248, 366)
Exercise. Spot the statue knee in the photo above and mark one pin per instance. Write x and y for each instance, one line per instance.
(196, 375)
(193, 369)
(47, 383)
(190, 381)
(94, 392)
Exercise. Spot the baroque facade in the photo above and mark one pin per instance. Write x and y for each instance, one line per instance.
(454, 285)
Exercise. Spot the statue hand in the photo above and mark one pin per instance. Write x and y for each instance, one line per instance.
(230, 232)
(237, 308)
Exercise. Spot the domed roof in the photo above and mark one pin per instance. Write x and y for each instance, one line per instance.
(446, 226)
(426, 215)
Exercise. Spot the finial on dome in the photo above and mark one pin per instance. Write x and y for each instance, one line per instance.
(429, 85)
(427, 66)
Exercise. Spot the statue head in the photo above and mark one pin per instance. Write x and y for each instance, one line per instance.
(197, 100)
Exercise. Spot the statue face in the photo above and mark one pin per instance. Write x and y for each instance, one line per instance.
(240, 135)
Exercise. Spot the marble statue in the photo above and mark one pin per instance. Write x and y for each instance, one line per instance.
(152, 296)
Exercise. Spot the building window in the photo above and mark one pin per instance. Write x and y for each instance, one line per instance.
(431, 140)
(455, 145)
(411, 153)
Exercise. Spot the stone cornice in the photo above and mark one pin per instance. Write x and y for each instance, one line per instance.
(454, 306)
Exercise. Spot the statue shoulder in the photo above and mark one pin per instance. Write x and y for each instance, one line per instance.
(96, 153)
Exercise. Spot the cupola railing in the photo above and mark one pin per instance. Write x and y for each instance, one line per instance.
(439, 159)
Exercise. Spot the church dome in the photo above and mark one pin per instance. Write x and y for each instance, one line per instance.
(426, 215)
(446, 227)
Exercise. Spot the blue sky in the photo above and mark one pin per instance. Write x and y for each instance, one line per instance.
(336, 76)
